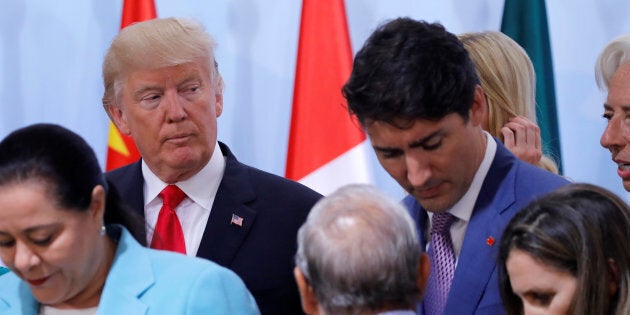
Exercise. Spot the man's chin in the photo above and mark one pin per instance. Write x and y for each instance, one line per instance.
(179, 167)
(186, 157)
(436, 203)
(186, 163)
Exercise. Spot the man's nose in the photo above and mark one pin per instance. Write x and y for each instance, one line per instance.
(418, 170)
(174, 107)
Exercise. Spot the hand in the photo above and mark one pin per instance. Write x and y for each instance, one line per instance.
(522, 137)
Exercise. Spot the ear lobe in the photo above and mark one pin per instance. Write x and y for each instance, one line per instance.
(118, 117)
(310, 303)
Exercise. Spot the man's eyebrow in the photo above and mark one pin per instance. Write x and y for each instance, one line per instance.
(414, 144)
(385, 149)
(192, 76)
(423, 141)
(143, 89)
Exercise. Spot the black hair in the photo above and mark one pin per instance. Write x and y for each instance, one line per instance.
(410, 70)
(68, 165)
(576, 229)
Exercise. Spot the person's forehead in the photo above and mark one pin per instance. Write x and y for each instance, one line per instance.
(382, 133)
(182, 67)
(406, 124)
(32, 202)
(619, 88)
(176, 72)
(621, 77)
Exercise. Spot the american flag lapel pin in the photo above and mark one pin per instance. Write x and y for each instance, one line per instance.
(236, 220)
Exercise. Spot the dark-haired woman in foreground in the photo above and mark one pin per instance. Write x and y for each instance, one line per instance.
(568, 253)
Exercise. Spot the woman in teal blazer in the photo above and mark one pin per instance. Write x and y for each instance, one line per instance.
(70, 244)
(147, 281)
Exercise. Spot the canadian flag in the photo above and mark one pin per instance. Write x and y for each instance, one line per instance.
(327, 149)
(121, 150)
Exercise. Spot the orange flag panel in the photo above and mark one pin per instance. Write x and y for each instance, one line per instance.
(321, 128)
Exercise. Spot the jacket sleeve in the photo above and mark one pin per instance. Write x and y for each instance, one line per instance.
(219, 291)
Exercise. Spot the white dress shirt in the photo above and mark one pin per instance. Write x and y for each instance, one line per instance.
(49, 310)
(193, 212)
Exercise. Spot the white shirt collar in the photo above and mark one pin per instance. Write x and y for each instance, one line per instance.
(200, 188)
(464, 207)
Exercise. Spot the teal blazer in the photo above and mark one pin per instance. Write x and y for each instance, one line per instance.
(148, 281)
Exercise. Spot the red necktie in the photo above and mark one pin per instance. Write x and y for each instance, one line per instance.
(168, 233)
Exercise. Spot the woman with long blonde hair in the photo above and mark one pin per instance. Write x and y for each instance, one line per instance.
(508, 79)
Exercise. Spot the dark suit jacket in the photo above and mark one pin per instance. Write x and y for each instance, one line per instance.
(509, 186)
(261, 252)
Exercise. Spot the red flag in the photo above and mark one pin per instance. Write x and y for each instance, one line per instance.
(137, 11)
(322, 133)
(121, 150)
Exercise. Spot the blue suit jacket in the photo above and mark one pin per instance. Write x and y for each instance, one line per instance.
(261, 252)
(147, 281)
(509, 186)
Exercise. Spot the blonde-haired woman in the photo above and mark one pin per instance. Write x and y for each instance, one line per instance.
(507, 77)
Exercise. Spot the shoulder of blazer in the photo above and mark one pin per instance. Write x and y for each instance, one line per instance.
(15, 296)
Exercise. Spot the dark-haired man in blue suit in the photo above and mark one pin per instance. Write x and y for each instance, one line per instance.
(162, 87)
(415, 91)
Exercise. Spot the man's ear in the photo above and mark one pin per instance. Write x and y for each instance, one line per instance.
(218, 103)
(424, 267)
(310, 305)
(119, 118)
(479, 108)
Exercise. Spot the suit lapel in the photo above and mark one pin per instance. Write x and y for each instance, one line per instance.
(121, 296)
(20, 302)
(132, 185)
(222, 238)
(477, 259)
(420, 217)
